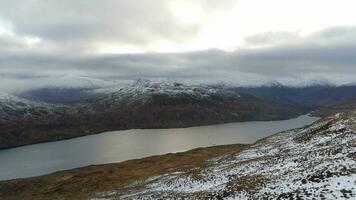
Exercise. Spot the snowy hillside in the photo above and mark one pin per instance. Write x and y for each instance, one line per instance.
(317, 161)
(12, 107)
(142, 90)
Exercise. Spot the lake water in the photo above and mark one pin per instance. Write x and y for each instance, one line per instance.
(117, 146)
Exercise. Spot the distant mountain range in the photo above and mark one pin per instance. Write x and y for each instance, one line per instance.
(58, 95)
(142, 105)
(311, 96)
(333, 107)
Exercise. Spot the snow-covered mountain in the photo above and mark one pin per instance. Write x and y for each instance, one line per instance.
(143, 90)
(164, 105)
(142, 105)
(16, 108)
(24, 121)
(311, 96)
(314, 162)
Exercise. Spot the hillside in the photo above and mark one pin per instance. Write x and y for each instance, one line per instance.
(176, 105)
(313, 162)
(19, 118)
(316, 161)
(335, 107)
(143, 105)
(14, 108)
(319, 97)
(313, 96)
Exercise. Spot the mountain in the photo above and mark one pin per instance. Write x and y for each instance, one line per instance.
(335, 106)
(314, 162)
(143, 105)
(58, 94)
(19, 116)
(17, 108)
(68, 89)
(312, 97)
(177, 105)
(318, 97)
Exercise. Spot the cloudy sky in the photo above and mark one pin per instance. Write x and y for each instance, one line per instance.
(247, 42)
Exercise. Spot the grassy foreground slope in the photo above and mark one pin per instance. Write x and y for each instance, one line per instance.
(83, 183)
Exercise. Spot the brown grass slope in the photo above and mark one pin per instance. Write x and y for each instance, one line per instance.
(85, 182)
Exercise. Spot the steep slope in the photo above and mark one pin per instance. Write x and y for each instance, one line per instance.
(143, 105)
(335, 107)
(317, 161)
(313, 162)
(18, 116)
(13, 108)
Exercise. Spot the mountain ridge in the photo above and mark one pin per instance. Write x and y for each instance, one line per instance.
(145, 105)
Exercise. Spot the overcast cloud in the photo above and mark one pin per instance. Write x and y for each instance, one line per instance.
(61, 43)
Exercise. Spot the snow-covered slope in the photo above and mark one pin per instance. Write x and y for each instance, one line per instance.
(12, 107)
(141, 91)
(314, 162)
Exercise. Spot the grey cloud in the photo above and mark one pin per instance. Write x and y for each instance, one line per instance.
(289, 63)
(84, 22)
(273, 38)
(335, 35)
(9, 43)
(330, 36)
(298, 59)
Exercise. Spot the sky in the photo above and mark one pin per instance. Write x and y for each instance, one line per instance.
(244, 42)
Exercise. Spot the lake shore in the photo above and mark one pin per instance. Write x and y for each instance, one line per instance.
(83, 182)
(119, 146)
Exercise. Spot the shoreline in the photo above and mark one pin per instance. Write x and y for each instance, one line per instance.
(81, 183)
(77, 156)
(176, 127)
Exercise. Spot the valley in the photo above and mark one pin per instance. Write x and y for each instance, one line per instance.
(310, 162)
(177, 100)
(140, 106)
(119, 146)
